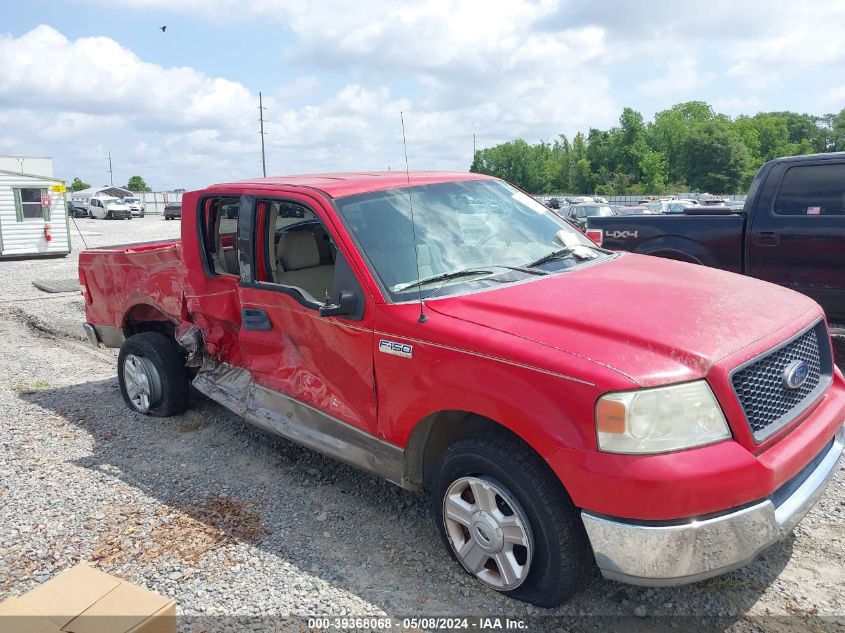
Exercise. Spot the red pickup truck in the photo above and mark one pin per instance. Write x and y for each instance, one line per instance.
(565, 405)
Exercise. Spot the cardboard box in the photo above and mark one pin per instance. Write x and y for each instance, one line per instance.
(85, 600)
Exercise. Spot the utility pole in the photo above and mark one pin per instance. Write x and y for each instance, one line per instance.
(261, 119)
(473, 147)
(111, 174)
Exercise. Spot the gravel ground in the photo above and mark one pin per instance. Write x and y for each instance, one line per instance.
(229, 521)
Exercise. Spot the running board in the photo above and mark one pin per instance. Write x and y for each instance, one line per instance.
(281, 415)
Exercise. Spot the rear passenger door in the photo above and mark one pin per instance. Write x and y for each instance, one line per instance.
(797, 235)
(290, 267)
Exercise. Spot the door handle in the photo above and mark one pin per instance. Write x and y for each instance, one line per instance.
(255, 319)
(768, 238)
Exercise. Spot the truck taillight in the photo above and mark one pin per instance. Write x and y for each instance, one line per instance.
(596, 235)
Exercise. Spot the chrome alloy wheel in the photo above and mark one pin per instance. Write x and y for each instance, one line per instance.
(488, 531)
(143, 383)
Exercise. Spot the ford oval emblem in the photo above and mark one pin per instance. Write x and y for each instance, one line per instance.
(796, 374)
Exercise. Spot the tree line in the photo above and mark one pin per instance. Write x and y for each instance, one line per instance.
(688, 147)
(135, 183)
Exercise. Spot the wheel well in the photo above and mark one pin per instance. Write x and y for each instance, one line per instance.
(677, 256)
(147, 318)
(436, 432)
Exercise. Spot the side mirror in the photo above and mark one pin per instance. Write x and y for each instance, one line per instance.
(344, 306)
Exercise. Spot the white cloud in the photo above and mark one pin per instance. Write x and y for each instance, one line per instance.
(95, 75)
(681, 80)
(484, 73)
(499, 69)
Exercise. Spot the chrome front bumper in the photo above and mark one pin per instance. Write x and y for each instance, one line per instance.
(679, 553)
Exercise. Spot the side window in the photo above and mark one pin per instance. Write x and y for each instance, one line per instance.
(28, 204)
(299, 250)
(812, 190)
(220, 234)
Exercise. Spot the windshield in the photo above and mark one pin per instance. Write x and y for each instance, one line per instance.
(110, 201)
(592, 212)
(128, 200)
(678, 207)
(482, 225)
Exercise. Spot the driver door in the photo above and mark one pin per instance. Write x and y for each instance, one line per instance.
(312, 366)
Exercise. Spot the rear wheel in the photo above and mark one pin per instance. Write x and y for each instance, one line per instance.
(152, 375)
(504, 516)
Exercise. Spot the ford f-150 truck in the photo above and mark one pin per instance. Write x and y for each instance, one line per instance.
(565, 405)
(791, 230)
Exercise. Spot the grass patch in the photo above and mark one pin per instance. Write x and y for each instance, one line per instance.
(38, 385)
(185, 533)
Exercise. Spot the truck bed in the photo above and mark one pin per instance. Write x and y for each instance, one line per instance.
(145, 276)
(712, 240)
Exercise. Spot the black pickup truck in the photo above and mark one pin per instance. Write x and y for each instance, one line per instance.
(791, 231)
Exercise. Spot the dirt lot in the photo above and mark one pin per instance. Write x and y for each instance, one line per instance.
(229, 521)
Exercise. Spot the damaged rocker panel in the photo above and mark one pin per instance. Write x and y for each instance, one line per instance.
(281, 415)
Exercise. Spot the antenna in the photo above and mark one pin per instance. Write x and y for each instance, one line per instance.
(261, 109)
(422, 318)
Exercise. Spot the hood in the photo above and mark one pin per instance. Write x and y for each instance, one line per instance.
(654, 320)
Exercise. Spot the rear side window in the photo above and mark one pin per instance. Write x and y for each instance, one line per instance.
(812, 190)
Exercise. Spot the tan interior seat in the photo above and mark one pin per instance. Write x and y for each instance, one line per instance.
(299, 264)
(219, 258)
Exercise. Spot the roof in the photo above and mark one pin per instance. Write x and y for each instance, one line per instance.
(339, 185)
(117, 192)
(36, 176)
(803, 157)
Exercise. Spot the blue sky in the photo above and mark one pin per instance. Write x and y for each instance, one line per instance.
(84, 77)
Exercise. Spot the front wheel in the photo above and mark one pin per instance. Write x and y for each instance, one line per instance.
(152, 376)
(507, 520)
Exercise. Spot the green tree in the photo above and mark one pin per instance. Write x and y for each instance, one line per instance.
(715, 159)
(136, 183)
(688, 146)
(78, 185)
(655, 170)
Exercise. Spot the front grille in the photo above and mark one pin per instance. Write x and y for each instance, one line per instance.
(760, 386)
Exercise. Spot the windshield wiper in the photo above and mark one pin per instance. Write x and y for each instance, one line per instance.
(550, 257)
(564, 252)
(523, 269)
(455, 274)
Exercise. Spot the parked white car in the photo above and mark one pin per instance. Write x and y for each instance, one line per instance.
(135, 205)
(108, 208)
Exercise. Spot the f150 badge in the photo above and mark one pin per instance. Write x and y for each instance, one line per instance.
(397, 349)
(621, 235)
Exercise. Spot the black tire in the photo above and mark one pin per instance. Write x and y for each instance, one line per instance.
(562, 558)
(162, 352)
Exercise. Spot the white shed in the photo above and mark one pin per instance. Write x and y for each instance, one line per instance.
(33, 215)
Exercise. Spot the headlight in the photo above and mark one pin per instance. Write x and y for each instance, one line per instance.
(659, 420)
